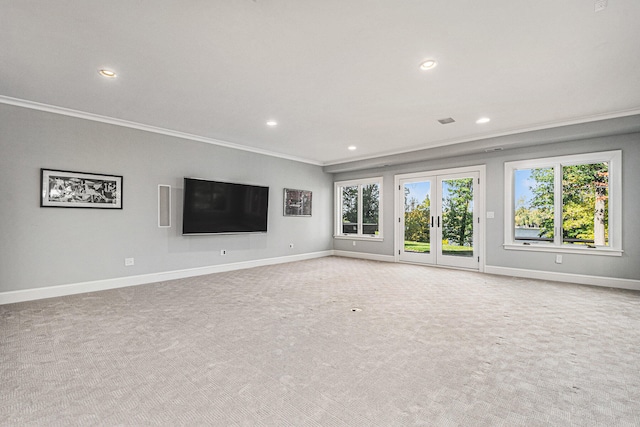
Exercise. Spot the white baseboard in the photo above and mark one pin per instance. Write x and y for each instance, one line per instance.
(610, 282)
(121, 282)
(11, 297)
(363, 255)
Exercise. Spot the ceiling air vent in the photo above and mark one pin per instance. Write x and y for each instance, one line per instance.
(446, 121)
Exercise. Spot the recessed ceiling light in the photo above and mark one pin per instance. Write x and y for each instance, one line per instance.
(483, 120)
(352, 147)
(272, 123)
(428, 64)
(107, 73)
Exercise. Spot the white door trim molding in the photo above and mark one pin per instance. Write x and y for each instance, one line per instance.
(480, 169)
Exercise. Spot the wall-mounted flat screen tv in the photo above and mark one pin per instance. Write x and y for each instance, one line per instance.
(221, 207)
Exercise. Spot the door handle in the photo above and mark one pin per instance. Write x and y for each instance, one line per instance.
(438, 221)
(431, 220)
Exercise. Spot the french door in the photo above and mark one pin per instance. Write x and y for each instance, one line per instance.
(438, 221)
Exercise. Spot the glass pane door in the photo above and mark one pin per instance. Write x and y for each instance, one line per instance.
(456, 220)
(417, 221)
(438, 219)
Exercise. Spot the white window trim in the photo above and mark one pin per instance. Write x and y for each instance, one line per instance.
(614, 158)
(338, 209)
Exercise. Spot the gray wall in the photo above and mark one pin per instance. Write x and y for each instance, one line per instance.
(43, 247)
(51, 246)
(625, 267)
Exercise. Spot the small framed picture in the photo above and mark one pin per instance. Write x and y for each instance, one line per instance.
(297, 202)
(67, 189)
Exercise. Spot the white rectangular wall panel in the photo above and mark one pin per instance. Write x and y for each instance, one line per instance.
(164, 206)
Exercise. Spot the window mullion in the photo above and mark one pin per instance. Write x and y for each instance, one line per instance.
(339, 207)
(557, 205)
(359, 232)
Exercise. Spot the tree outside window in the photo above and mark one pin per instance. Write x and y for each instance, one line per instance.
(457, 212)
(570, 202)
(584, 204)
(359, 204)
(350, 210)
(370, 209)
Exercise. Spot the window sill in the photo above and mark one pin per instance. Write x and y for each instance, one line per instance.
(562, 249)
(358, 237)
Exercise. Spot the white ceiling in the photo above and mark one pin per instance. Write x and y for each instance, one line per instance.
(333, 73)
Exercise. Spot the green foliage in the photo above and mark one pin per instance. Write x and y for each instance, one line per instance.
(584, 203)
(350, 204)
(370, 203)
(457, 212)
(414, 246)
(543, 200)
(457, 220)
(421, 247)
(417, 220)
(368, 215)
(525, 217)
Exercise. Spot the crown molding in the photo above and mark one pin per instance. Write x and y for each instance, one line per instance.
(198, 138)
(146, 128)
(491, 135)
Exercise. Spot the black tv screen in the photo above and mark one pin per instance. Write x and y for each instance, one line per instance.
(221, 207)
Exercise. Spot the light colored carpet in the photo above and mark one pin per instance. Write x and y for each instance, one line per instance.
(282, 346)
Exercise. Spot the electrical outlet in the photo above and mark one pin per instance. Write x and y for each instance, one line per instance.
(558, 259)
(223, 251)
(128, 262)
(354, 243)
(290, 245)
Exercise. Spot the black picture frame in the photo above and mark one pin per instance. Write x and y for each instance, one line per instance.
(69, 189)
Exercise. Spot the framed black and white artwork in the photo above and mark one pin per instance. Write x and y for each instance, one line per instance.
(297, 202)
(67, 189)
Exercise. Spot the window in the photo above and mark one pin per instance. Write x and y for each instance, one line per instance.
(565, 204)
(358, 211)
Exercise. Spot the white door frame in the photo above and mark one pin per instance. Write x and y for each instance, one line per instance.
(399, 208)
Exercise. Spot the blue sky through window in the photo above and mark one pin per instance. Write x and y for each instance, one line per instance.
(523, 183)
(418, 190)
